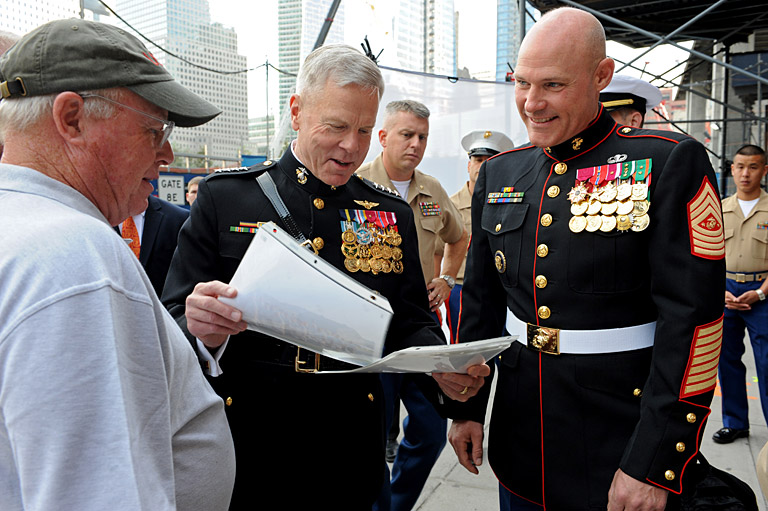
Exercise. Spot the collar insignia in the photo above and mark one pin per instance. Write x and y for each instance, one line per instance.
(576, 143)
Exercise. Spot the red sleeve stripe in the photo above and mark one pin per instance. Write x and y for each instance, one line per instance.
(701, 373)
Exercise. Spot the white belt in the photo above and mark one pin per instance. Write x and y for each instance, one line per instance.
(582, 342)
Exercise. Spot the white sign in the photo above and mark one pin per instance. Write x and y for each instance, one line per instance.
(171, 188)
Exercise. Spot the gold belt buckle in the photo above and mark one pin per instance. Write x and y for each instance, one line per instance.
(544, 339)
(741, 277)
(298, 363)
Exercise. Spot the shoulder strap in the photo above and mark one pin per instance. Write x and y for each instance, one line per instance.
(267, 185)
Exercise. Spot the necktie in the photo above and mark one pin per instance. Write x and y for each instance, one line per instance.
(131, 233)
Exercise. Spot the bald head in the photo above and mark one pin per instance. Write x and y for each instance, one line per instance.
(569, 30)
(561, 69)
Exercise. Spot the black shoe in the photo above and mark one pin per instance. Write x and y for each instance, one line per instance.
(728, 435)
(391, 451)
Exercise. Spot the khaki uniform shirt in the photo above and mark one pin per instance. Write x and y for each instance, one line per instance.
(425, 194)
(463, 202)
(746, 239)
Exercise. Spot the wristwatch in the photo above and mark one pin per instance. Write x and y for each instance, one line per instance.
(760, 294)
(452, 282)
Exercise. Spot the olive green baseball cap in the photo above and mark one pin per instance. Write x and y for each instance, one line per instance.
(78, 55)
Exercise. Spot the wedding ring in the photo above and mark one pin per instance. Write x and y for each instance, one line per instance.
(463, 392)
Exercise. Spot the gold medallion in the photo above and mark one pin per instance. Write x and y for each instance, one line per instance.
(577, 224)
(594, 222)
(376, 265)
(365, 265)
(348, 236)
(349, 251)
(396, 239)
(609, 223)
(641, 207)
(624, 191)
(594, 207)
(397, 254)
(625, 207)
(386, 252)
(639, 191)
(608, 193)
(364, 251)
(609, 208)
(501, 261)
(579, 208)
(640, 223)
(397, 267)
(386, 266)
(351, 265)
(623, 222)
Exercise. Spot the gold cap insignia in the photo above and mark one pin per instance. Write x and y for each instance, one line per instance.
(487, 134)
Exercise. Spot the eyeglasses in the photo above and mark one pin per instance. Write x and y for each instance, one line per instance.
(161, 135)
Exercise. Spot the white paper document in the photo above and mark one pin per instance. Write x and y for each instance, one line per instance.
(453, 358)
(286, 291)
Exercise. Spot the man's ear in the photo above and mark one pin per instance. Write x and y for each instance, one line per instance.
(294, 106)
(636, 119)
(69, 116)
(383, 137)
(604, 73)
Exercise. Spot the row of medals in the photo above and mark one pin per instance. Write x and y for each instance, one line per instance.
(610, 207)
(372, 250)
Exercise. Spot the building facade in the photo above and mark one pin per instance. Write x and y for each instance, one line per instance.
(184, 28)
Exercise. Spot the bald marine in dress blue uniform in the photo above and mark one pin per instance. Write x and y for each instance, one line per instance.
(601, 247)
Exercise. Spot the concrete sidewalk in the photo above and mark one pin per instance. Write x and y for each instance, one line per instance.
(451, 487)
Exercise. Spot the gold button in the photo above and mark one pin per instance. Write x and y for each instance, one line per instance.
(637, 393)
(498, 227)
(691, 417)
(370, 397)
(544, 312)
(553, 191)
(318, 243)
(561, 168)
(541, 281)
(319, 203)
(546, 220)
(669, 475)
(542, 250)
(228, 401)
(627, 130)
(266, 163)
(680, 447)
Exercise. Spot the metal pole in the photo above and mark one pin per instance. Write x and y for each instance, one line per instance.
(724, 129)
(697, 93)
(327, 24)
(658, 38)
(673, 34)
(267, 117)
(521, 17)
(82, 9)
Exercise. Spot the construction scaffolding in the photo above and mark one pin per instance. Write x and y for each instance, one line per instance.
(725, 80)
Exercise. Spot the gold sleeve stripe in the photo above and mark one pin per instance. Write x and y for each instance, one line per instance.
(705, 222)
(701, 372)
